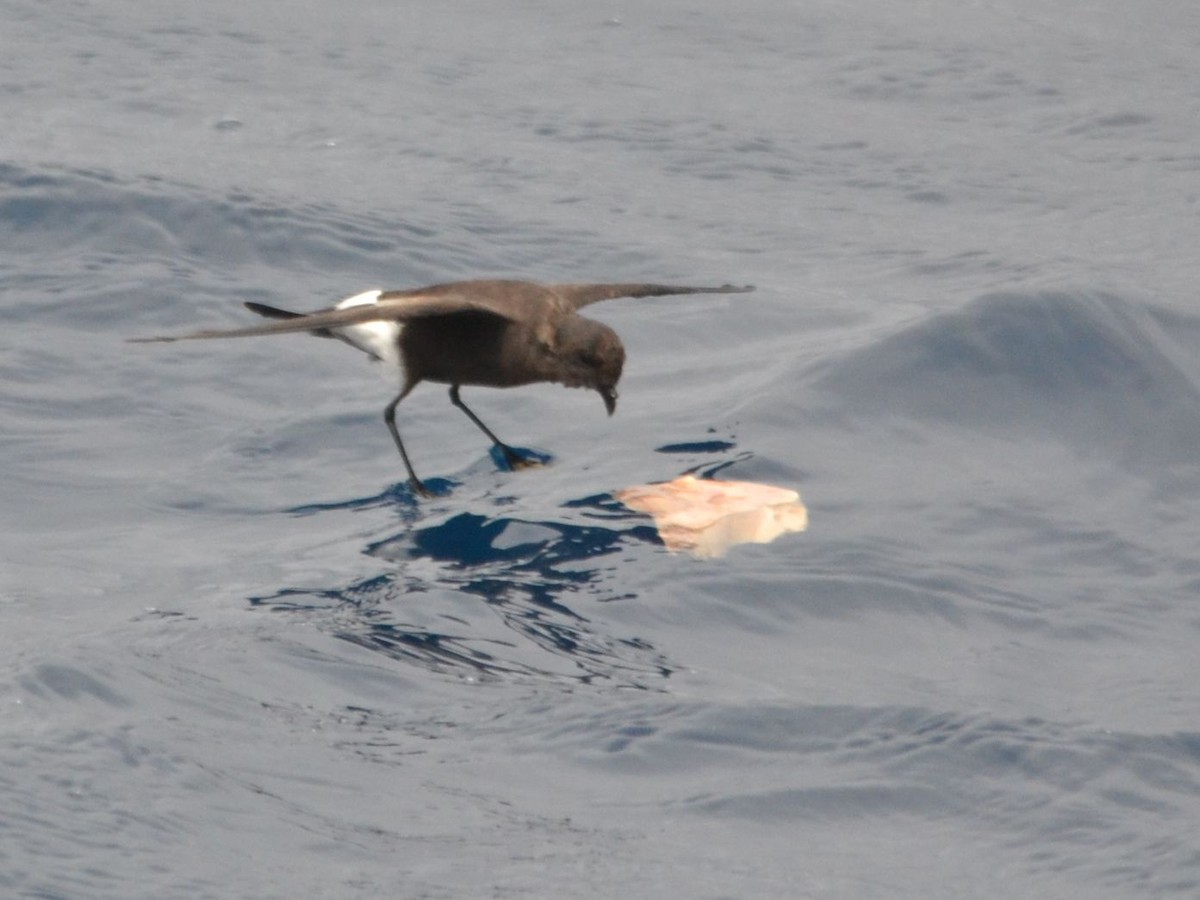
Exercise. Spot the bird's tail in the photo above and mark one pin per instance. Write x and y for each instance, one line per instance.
(274, 312)
(271, 312)
(376, 339)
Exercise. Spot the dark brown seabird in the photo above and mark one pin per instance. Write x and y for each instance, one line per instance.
(492, 333)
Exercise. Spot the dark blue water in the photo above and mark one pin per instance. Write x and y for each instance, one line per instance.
(239, 659)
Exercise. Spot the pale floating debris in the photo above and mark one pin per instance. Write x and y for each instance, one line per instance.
(707, 517)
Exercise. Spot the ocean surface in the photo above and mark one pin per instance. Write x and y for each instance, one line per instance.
(239, 660)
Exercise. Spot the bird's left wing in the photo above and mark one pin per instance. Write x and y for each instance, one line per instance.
(391, 306)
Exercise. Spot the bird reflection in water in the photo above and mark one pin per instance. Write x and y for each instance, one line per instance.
(530, 575)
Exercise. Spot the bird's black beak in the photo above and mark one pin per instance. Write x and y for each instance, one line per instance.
(610, 399)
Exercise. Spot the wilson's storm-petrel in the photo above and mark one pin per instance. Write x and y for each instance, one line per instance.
(492, 333)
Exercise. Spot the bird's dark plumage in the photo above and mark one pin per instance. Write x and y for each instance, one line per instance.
(493, 333)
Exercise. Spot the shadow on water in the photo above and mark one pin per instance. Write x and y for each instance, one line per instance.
(524, 580)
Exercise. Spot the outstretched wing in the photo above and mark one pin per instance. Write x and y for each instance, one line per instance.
(517, 301)
(577, 295)
(389, 306)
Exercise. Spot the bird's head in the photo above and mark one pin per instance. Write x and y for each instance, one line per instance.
(592, 357)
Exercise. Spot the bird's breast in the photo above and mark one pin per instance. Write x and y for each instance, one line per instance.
(475, 349)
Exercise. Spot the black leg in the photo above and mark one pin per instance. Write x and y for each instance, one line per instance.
(514, 459)
(389, 416)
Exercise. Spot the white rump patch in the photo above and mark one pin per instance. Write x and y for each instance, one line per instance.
(377, 339)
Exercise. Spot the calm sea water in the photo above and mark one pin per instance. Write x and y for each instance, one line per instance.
(237, 659)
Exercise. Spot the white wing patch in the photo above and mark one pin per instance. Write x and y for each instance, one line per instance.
(377, 339)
